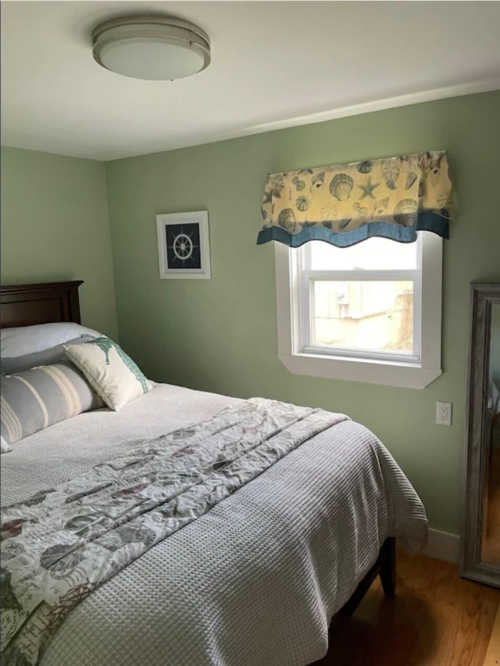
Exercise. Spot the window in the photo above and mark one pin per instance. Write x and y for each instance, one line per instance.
(362, 300)
(370, 312)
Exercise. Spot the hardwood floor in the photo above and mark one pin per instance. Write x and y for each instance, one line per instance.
(491, 539)
(436, 619)
(493, 654)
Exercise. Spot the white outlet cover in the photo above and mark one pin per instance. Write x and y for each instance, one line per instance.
(443, 413)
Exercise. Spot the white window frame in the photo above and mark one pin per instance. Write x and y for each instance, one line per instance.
(413, 371)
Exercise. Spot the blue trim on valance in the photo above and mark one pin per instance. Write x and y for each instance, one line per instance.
(425, 222)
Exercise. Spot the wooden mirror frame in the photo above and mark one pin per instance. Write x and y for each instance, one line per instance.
(483, 297)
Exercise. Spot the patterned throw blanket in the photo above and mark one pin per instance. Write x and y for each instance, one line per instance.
(63, 543)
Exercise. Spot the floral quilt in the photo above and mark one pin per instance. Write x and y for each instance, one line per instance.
(62, 543)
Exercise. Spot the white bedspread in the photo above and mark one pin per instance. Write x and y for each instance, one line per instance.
(256, 580)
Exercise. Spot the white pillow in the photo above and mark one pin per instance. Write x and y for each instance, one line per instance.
(6, 448)
(30, 339)
(112, 374)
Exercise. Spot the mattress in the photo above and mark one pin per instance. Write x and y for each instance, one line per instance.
(253, 582)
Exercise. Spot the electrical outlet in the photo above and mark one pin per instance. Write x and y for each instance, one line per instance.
(443, 413)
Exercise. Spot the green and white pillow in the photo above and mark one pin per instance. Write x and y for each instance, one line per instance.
(38, 398)
(111, 373)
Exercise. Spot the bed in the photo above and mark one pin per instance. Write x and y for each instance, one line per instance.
(255, 581)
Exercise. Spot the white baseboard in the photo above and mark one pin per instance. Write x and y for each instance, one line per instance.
(443, 546)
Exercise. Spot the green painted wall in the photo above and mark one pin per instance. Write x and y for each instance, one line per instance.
(55, 226)
(220, 335)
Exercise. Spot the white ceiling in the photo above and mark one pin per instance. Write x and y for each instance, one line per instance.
(275, 64)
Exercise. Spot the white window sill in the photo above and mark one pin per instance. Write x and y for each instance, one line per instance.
(388, 373)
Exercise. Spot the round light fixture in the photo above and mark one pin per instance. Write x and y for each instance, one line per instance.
(154, 48)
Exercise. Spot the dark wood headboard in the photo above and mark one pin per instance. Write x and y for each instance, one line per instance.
(30, 304)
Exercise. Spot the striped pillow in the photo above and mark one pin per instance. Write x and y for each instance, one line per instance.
(37, 398)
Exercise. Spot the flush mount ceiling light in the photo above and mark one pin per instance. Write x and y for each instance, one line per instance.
(154, 48)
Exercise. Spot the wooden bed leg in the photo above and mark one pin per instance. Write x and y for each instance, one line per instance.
(385, 567)
(388, 567)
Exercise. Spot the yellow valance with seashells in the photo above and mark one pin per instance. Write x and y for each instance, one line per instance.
(346, 204)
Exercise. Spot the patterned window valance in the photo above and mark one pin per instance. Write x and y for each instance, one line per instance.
(346, 204)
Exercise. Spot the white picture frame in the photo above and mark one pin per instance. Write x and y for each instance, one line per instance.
(184, 246)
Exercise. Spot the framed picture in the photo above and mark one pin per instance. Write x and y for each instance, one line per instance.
(184, 246)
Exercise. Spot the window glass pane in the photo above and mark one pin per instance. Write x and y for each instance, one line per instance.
(371, 254)
(364, 316)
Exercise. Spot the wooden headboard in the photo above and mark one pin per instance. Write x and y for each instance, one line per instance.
(30, 304)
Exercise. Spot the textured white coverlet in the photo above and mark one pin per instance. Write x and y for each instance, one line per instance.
(256, 580)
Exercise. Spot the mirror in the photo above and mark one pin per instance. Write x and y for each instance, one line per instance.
(491, 523)
(480, 559)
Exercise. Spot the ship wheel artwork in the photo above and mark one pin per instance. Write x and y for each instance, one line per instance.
(183, 246)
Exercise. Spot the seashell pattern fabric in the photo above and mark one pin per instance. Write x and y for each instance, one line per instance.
(58, 546)
(345, 204)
